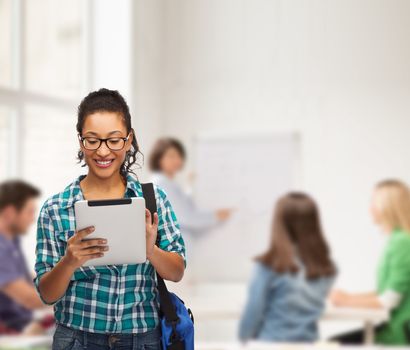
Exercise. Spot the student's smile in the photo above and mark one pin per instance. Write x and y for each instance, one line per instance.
(103, 163)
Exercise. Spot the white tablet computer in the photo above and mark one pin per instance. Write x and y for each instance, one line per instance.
(121, 222)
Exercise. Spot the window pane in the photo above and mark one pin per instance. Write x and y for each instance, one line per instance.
(6, 68)
(55, 55)
(50, 148)
(5, 130)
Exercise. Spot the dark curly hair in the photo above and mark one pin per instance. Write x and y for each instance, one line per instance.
(110, 101)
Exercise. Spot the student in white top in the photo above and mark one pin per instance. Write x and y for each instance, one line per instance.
(166, 160)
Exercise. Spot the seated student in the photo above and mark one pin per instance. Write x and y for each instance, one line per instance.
(390, 209)
(292, 279)
(18, 296)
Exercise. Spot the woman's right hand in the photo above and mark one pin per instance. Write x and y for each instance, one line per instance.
(79, 250)
(224, 214)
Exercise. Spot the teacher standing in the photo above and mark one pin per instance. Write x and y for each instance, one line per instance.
(166, 161)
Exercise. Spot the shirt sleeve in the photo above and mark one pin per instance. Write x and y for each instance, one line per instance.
(170, 238)
(255, 308)
(47, 254)
(398, 278)
(189, 215)
(390, 299)
(8, 270)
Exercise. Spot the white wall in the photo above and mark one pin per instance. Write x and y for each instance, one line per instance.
(112, 44)
(338, 72)
(146, 73)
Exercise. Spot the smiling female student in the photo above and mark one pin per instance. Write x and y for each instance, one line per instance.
(390, 208)
(104, 307)
(292, 278)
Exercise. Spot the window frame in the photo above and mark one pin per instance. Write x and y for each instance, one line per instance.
(17, 96)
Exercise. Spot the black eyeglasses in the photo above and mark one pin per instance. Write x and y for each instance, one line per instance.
(94, 143)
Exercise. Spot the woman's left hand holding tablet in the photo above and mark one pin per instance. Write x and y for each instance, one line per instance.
(151, 231)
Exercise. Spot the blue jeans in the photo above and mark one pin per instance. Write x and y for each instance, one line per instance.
(70, 339)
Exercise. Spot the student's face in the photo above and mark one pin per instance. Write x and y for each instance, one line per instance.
(105, 162)
(171, 162)
(22, 219)
(374, 210)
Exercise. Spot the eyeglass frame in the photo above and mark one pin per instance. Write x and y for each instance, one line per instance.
(82, 138)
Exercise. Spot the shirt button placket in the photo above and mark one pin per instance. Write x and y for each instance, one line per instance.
(121, 292)
(116, 300)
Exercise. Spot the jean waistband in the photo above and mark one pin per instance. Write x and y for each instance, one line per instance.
(109, 338)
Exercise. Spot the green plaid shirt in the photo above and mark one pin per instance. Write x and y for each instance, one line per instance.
(103, 299)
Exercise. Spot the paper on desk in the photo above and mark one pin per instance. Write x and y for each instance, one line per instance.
(26, 343)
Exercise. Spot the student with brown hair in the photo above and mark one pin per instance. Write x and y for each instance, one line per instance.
(390, 208)
(292, 278)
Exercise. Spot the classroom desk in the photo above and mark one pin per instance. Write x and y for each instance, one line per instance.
(369, 317)
(231, 308)
(285, 346)
(44, 343)
(216, 304)
(25, 342)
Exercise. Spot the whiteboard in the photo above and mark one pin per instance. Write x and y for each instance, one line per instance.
(248, 173)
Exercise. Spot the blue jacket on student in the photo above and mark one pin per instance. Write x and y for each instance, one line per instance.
(283, 307)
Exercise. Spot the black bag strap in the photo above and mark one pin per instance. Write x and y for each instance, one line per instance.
(167, 308)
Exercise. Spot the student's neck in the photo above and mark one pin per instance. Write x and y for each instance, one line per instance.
(105, 187)
(387, 229)
(5, 231)
(169, 175)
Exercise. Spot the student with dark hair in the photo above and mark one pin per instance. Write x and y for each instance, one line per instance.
(166, 160)
(115, 306)
(292, 278)
(18, 295)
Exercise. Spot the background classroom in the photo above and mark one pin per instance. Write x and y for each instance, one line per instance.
(336, 74)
